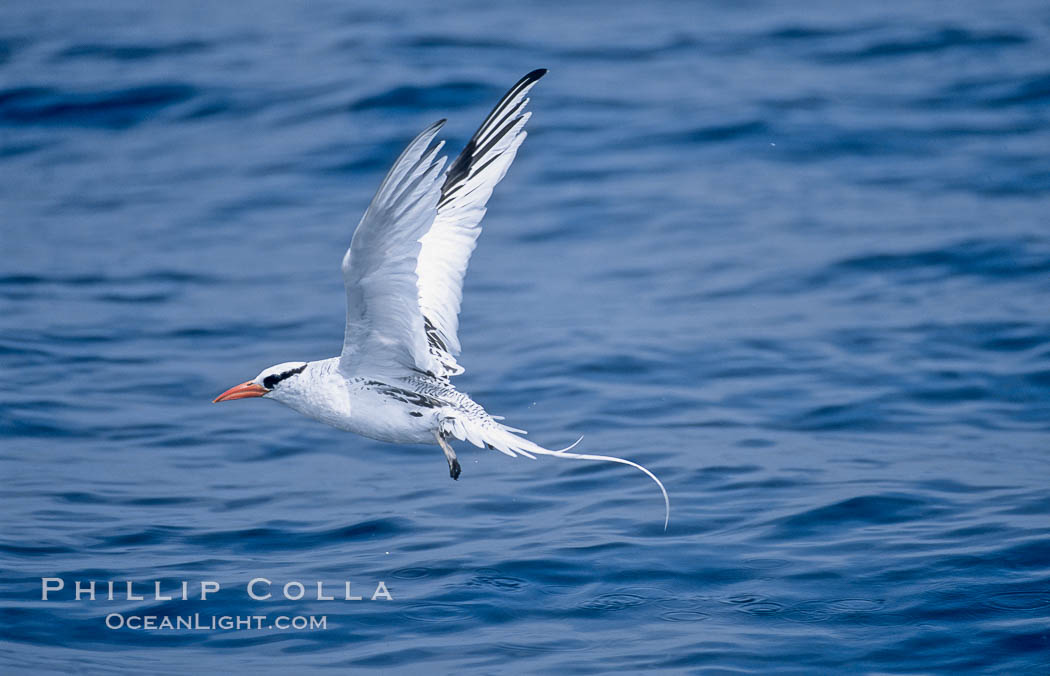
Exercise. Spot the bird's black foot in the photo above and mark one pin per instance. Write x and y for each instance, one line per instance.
(450, 455)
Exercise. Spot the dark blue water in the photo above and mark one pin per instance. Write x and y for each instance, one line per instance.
(795, 261)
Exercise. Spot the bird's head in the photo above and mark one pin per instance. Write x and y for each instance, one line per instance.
(274, 381)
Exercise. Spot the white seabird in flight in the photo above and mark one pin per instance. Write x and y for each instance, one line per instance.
(404, 279)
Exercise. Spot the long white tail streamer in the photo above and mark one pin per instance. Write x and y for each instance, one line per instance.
(503, 438)
(564, 453)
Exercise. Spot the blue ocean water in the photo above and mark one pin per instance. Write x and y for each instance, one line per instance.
(795, 260)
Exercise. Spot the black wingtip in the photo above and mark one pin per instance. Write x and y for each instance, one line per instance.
(534, 75)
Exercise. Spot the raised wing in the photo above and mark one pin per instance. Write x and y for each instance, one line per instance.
(385, 330)
(448, 244)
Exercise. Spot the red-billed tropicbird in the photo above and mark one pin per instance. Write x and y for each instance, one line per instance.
(404, 277)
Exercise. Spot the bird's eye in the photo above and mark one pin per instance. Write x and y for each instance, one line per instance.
(271, 380)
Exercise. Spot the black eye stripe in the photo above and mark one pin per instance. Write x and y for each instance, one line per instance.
(271, 380)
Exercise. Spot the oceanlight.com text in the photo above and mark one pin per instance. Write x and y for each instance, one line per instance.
(198, 622)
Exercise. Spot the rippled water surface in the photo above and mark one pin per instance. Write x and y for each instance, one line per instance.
(795, 261)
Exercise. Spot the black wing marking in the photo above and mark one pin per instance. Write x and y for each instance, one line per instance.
(406, 396)
(497, 123)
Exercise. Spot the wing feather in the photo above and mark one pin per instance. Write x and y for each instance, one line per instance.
(448, 245)
(384, 325)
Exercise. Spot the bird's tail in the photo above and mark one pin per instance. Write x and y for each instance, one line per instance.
(500, 437)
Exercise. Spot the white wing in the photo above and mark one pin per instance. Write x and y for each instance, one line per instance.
(452, 237)
(384, 327)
